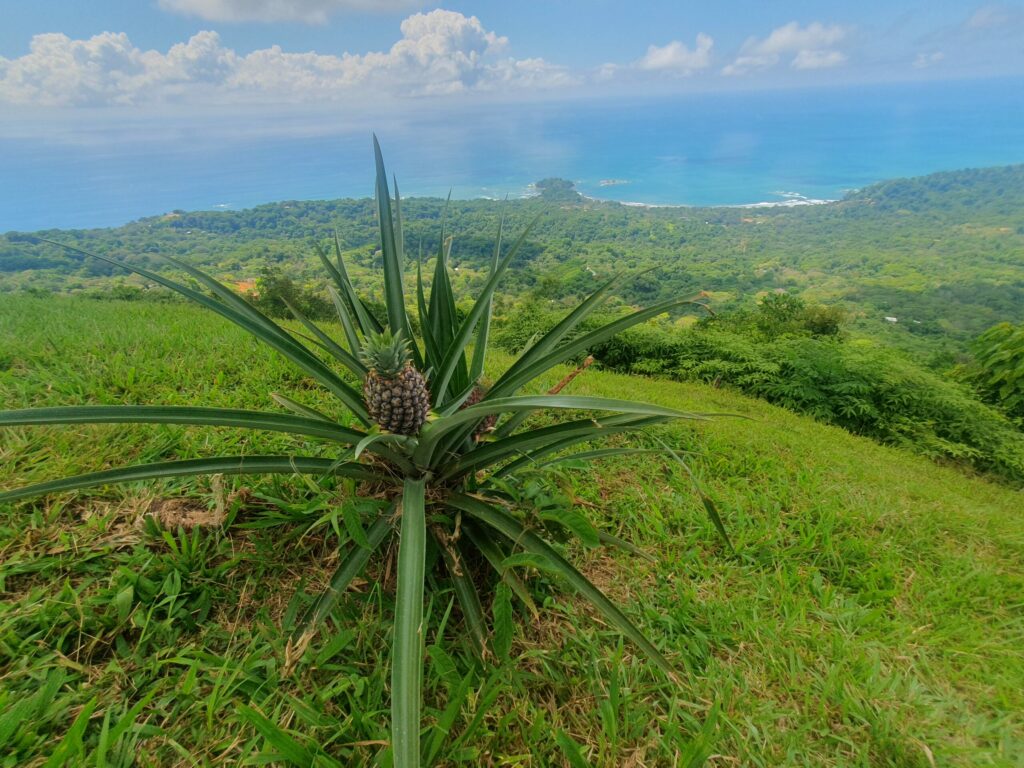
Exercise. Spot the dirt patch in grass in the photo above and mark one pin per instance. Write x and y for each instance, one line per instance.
(186, 513)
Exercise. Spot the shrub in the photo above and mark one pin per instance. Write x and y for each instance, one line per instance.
(277, 294)
(866, 389)
(998, 367)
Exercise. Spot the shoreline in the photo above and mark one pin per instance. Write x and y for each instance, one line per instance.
(791, 200)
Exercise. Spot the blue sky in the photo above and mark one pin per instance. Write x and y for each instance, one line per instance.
(139, 57)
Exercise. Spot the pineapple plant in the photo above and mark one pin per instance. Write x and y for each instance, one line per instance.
(395, 393)
(448, 489)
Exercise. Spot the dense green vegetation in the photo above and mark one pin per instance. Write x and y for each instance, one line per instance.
(870, 617)
(797, 356)
(997, 370)
(940, 253)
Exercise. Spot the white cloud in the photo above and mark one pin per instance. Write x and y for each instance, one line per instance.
(793, 37)
(440, 52)
(994, 15)
(811, 59)
(812, 47)
(308, 11)
(925, 60)
(676, 57)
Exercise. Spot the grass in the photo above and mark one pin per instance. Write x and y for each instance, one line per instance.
(872, 616)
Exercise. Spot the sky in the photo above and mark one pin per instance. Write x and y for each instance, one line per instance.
(131, 58)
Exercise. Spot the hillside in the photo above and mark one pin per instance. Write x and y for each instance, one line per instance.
(941, 253)
(871, 615)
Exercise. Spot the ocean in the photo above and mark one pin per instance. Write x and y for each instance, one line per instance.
(700, 149)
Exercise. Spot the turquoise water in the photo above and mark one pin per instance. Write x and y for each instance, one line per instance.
(709, 149)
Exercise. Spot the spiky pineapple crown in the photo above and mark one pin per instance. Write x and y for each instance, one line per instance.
(386, 354)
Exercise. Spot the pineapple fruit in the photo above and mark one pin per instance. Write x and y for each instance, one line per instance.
(488, 422)
(395, 393)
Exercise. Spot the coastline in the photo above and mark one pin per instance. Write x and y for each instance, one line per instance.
(790, 200)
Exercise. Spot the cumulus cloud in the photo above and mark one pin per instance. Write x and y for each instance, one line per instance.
(812, 59)
(307, 11)
(676, 57)
(441, 52)
(806, 47)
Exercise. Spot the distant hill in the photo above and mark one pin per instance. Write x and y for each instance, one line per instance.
(967, 194)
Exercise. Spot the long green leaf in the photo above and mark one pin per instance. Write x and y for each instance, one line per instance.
(339, 353)
(399, 229)
(431, 350)
(516, 445)
(442, 728)
(222, 465)
(476, 368)
(394, 294)
(434, 432)
(173, 414)
(347, 324)
(286, 745)
(532, 459)
(252, 322)
(707, 501)
(512, 380)
(614, 541)
(600, 453)
(72, 746)
(494, 555)
(442, 304)
(531, 542)
(272, 331)
(352, 564)
(465, 590)
(457, 346)
(368, 324)
(552, 338)
(407, 655)
(296, 407)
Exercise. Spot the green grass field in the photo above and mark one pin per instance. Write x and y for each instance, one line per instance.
(872, 616)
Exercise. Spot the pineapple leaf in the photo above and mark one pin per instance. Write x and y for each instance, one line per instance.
(492, 552)
(434, 432)
(352, 564)
(345, 319)
(222, 465)
(465, 591)
(239, 312)
(531, 459)
(367, 322)
(407, 648)
(455, 352)
(175, 414)
(599, 453)
(329, 344)
(530, 542)
(394, 294)
(296, 407)
(476, 368)
(512, 380)
(519, 444)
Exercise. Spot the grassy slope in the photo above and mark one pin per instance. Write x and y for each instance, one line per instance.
(872, 617)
